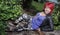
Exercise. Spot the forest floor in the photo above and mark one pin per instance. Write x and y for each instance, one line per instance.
(33, 33)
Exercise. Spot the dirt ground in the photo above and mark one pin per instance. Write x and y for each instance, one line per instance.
(33, 33)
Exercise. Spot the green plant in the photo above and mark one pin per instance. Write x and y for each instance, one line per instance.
(2, 27)
(9, 9)
(56, 17)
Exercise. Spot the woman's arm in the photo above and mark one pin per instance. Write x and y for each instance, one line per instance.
(40, 32)
(51, 23)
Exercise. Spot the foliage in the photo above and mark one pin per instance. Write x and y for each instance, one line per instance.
(9, 9)
(2, 28)
(38, 6)
(56, 16)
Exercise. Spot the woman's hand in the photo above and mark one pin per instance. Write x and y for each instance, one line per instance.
(40, 32)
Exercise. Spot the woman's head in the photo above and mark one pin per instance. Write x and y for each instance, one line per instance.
(48, 7)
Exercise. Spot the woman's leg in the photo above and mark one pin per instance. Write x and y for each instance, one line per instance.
(25, 17)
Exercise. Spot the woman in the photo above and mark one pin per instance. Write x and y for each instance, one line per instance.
(38, 19)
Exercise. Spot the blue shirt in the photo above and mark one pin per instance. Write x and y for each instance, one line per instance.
(37, 21)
